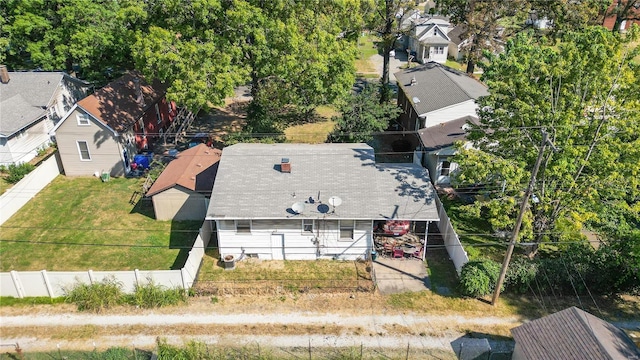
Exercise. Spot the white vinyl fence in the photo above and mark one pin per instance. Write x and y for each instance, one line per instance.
(451, 240)
(22, 284)
(19, 194)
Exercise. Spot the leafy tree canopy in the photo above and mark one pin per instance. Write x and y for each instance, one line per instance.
(585, 94)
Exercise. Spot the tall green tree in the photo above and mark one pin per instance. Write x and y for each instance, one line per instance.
(624, 10)
(484, 23)
(585, 94)
(92, 36)
(385, 18)
(362, 115)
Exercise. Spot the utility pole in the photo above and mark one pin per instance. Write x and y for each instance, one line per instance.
(523, 207)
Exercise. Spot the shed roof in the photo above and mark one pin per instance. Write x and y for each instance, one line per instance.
(194, 169)
(25, 98)
(573, 334)
(438, 86)
(115, 104)
(250, 185)
(445, 134)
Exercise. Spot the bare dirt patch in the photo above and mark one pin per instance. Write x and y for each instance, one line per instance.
(221, 121)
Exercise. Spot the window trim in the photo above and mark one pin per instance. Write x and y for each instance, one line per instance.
(83, 116)
(243, 231)
(80, 150)
(352, 228)
(443, 168)
(304, 231)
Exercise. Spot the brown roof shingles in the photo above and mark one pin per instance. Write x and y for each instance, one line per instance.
(573, 334)
(194, 169)
(115, 104)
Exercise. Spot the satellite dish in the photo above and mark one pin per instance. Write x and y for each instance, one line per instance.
(298, 207)
(335, 201)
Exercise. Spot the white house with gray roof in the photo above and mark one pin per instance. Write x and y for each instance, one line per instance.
(307, 202)
(432, 96)
(31, 103)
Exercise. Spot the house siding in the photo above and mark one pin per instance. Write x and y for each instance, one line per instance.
(324, 242)
(457, 111)
(407, 118)
(104, 148)
(24, 145)
(178, 203)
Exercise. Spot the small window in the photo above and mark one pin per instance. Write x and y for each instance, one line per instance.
(346, 230)
(83, 119)
(83, 149)
(243, 226)
(307, 225)
(446, 167)
(158, 114)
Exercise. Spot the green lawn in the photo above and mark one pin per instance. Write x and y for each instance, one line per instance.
(4, 185)
(315, 132)
(82, 223)
(366, 49)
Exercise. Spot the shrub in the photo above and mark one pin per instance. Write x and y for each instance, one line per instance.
(520, 275)
(96, 297)
(17, 172)
(478, 278)
(152, 295)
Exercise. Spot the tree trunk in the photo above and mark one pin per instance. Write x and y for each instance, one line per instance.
(387, 42)
(471, 65)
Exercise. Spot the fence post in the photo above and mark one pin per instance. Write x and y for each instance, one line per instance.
(91, 279)
(136, 273)
(17, 284)
(45, 278)
(184, 275)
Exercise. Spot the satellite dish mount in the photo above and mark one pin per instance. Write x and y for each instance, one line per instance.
(334, 201)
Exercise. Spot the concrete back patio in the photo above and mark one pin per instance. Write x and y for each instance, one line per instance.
(400, 275)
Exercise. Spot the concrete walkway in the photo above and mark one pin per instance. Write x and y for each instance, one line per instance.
(400, 275)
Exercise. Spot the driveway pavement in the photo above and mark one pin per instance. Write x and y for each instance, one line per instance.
(395, 62)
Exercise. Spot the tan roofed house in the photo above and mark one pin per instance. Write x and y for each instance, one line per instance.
(183, 189)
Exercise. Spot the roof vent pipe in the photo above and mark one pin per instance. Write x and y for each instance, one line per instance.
(413, 81)
(285, 165)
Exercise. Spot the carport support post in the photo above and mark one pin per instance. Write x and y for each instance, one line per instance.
(424, 248)
(516, 228)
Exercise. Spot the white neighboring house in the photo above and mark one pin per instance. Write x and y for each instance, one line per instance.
(31, 103)
(273, 201)
(457, 45)
(428, 39)
(433, 95)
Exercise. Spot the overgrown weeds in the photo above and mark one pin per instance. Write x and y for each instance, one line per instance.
(108, 293)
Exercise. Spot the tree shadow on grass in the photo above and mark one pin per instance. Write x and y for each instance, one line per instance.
(183, 235)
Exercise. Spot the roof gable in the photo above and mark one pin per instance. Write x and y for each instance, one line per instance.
(437, 86)
(573, 334)
(194, 169)
(433, 34)
(445, 134)
(116, 104)
(25, 98)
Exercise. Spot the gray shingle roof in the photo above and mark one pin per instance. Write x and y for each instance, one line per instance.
(573, 334)
(250, 185)
(438, 86)
(25, 98)
(445, 134)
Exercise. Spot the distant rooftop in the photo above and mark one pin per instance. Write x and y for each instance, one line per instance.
(251, 185)
(445, 134)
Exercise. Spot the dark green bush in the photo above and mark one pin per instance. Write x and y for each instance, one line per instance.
(17, 172)
(96, 297)
(478, 278)
(520, 275)
(152, 295)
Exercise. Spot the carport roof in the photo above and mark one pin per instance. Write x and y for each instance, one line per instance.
(250, 184)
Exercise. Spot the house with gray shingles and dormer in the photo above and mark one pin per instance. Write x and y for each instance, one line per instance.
(31, 103)
(432, 97)
(308, 202)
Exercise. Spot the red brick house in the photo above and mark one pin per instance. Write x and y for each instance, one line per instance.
(622, 14)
